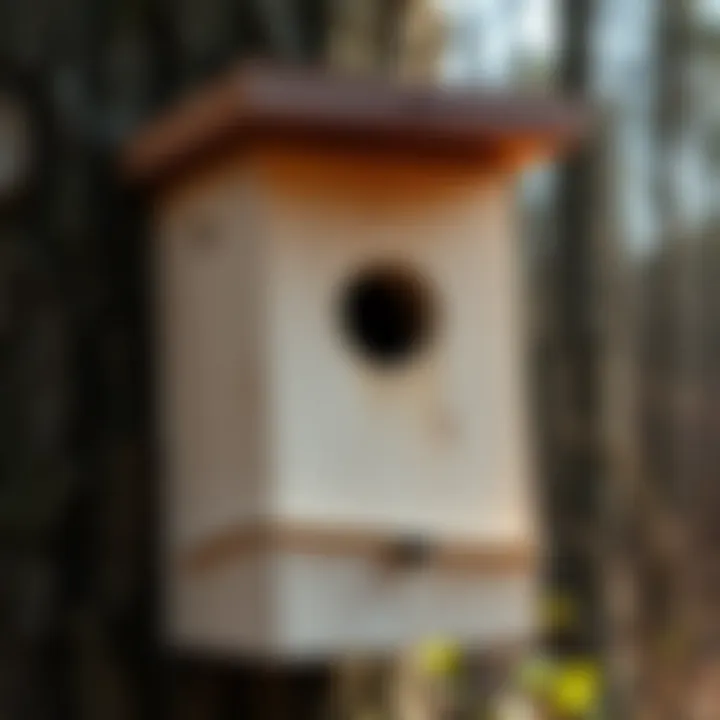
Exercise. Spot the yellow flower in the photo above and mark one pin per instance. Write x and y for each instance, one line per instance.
(439, 658)
(576, 690)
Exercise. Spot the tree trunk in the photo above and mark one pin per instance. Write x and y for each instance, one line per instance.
(573, 450)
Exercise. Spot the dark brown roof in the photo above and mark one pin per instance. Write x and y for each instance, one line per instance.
(264, 103)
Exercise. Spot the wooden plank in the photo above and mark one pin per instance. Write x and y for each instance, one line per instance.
(473, 556)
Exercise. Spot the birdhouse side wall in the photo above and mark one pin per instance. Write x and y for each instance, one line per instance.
(210, 295)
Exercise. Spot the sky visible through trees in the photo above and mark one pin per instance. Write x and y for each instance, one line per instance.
(496, 42)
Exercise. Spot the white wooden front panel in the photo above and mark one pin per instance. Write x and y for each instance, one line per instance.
(326, 606)
(437, 446)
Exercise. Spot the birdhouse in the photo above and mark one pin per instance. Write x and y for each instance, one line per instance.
(343, 418)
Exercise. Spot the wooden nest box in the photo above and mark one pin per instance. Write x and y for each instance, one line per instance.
(342, 406)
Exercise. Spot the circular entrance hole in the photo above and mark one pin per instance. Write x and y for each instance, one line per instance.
(387, 313)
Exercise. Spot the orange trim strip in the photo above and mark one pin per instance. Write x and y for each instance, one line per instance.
(490, 557)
